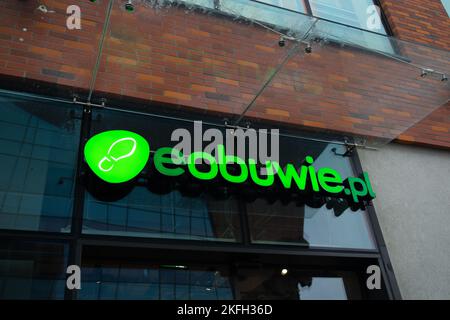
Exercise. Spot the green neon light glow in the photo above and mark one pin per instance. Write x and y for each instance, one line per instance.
(358, 188)
(330, 180)
(270, 177)
(290, 173)
(200, 157)
(224, 160)
(169, 156)
(117, 156)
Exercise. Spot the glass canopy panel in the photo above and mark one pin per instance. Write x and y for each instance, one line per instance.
(359, 84)
(41, 45)
(356, 85)
(174, 53)
(362, 85)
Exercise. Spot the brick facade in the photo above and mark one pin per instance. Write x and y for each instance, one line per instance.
(424, 22)
(214, 64)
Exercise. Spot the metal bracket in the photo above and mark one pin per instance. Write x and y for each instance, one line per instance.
(350, 148)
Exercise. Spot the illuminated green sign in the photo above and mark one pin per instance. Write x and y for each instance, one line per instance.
(119, 156)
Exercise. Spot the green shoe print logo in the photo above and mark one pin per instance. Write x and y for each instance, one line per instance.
(117, 156)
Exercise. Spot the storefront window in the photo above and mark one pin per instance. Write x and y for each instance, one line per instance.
(117, 280)
(152, 207)
(145, 214)
(106, 279)
(40, 151)
(268, 283)
(154, 282)
(290, 222)
(164, 207)
(38, 159)
(32, 270)
(304, 226)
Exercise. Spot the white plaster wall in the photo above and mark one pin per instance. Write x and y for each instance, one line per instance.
(413, 208)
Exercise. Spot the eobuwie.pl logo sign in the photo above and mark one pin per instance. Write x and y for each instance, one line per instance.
(119, 156)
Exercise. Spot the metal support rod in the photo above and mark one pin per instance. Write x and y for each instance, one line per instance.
(100, 49)
(291, 52)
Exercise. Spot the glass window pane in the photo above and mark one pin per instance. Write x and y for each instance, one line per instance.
(32, 270)
(280, 14)
(156, 282)
(154, 206)
(163, 216)
(350, 12)
(289, 221)
(189, 3)
(322, 288)
(360, 14)
(301, 225)
(39, 145)
(446, 4)
(296, 284)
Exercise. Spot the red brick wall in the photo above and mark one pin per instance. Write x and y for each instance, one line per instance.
(217, 65)
(36, 45)
(424, 22)
(419, 21)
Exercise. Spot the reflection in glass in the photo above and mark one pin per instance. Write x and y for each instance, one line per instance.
(301, 225)
(295, 284)
(340, 20)
(446, 4)
(282, 15)
(38, 149)
(323, 288)
(278, 222)
(32, 270)
(154, 282)
(350, 12)
(295, 5)
(203, 3)
(146, 214)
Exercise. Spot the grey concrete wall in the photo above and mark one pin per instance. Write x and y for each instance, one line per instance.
(413, 208)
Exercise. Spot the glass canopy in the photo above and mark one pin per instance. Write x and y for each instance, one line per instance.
(278, 67)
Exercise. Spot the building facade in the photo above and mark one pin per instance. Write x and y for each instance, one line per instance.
(359, 86)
